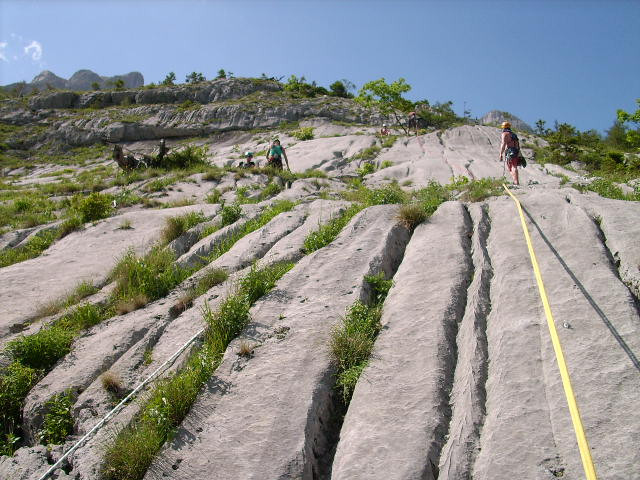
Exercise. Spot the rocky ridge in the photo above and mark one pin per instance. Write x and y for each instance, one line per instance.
(462, 382)
(81, 80)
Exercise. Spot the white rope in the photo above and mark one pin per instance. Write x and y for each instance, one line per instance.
(120, 406)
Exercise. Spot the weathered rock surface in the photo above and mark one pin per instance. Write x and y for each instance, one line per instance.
(412, 364)
(26, 286)
(249, 404)
(463, 381)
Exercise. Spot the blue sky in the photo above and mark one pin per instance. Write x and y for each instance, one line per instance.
(570, 61)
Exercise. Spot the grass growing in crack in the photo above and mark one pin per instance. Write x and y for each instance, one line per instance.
(44, 348)
(608, 189)
(81, 291)
(352, 340)
(252, 225)
(58, 422)
(176, 226)
(327, 233)
(31, 249)
(134, 448)
(411, 215)
(152, 276)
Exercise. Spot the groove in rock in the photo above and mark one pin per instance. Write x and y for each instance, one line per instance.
(468, 394)
(321, 445)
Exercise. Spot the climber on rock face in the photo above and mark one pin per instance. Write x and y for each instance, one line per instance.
(384, 130)
(510, 149)
(275, 154)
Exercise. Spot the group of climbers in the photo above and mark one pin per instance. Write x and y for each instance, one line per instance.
(509, 152)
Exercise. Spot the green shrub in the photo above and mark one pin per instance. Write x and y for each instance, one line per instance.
(209, 280)
(270, 190)
(431, 197)
(214, 196)
(265, 217)
(230, 214)
(43, 349)
(386, 164)
(176, 226)
(476, 190)
(389, 141)
(152, 275)
(81, 291)
(304, 133)
(189, 157)
(58, 422)
(411, 215)
(368, 153)
(366, 169)
(93, 207)
(15, 383)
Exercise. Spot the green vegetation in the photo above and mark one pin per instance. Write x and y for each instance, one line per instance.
(34, 355)
(145, 278)
(606, 188)
(387, 98)
(27, 209)
(632, 136)
(58, 422)
(352, 340)
(15, 383)
(439, 115)
(327, 233)
(31, 249)
(93, 207)
(304, 133)
(187, 158)
(366, 169)
(176, 226)
(133, 449)
(230, 214)
(80, 292)
(614, 158)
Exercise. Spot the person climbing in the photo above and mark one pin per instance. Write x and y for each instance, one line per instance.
(510, 149)
(249, 162)
(384, 131)
(412, 122)
(275, 154)
(162, 150)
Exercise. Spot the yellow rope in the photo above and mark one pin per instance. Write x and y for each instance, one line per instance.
(583, 445)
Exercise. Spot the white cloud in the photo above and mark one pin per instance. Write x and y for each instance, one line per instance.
(3, 57)
(34, 49)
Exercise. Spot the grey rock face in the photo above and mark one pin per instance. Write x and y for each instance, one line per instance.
(496, 117)
(248, 401)
(412, 364)
(46, 79)
(82, 80)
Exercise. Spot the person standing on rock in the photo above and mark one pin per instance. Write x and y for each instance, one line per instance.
(510, 149)
(384, 131)
(275, 154)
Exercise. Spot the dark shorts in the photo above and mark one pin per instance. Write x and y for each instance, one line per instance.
(275, 162)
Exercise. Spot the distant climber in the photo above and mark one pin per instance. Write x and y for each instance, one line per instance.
(125, 162)
(248, 162)
(162, 151)
(412, 122)
(510, 149)
(275, 154)
(384, 131)
(130, 162)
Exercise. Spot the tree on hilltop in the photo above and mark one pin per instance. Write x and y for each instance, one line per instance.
(633, 136)
(387, 98)
(170, 79)
(195, 77)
